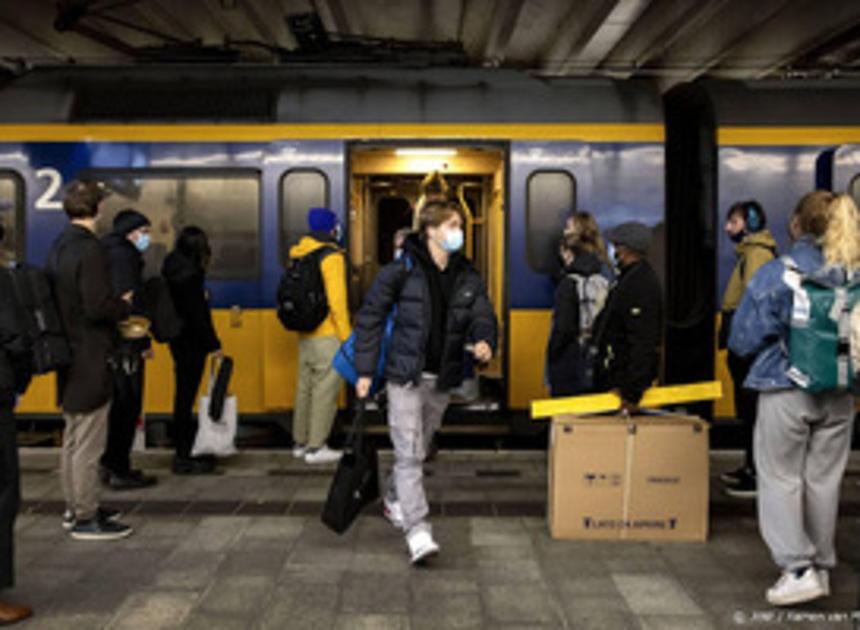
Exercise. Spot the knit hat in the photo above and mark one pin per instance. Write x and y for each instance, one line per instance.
(129, 220)
(322, 220)
(632, 235)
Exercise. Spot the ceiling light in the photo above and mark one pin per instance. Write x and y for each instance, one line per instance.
(425, 152)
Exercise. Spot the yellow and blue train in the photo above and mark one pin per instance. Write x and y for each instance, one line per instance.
(519, 153)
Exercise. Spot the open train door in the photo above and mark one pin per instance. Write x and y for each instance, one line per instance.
(388, 183)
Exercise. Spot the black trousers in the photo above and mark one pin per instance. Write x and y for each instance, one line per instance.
(124, 412)
(746, 401)
(189, 366)
(10, 494)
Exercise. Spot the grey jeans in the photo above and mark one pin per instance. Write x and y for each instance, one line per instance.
(83, 444)
(802, 443)
(414, 415)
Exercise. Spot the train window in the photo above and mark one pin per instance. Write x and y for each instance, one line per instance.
(11, 217)
(226, 205)
(301, 190)
(551, 196)
(854, 188)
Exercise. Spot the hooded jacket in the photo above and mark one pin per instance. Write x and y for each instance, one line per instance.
(333, 270)
(469, 318)
(187, 285)
(78, 268)
(566, 366)
(753, 251)
(762, 322)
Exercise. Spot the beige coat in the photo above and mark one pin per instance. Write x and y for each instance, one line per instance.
(755, 250)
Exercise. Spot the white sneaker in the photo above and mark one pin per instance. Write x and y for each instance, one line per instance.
(323, 455)
(421, 546)
(299, 451)
(393, 512)
(790, 589)
(824, 579)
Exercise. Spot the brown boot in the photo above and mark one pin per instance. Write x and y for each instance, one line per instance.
(10, 614)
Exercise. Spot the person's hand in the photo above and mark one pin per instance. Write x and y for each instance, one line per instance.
(627, 408)
(362, 386)
(128, 296)
(147, 354)
(482, 352)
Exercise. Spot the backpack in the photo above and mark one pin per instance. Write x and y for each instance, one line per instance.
(591, 291)
(824, 337)
(302, 303)
(40, 319)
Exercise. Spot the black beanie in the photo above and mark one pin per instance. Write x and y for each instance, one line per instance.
(128, 220)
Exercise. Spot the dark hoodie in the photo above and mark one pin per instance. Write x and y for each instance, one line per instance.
(188, 291)
(464, 311)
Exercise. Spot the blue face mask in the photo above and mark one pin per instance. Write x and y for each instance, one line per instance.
(452, 241)
(142, 243)
(612, 254)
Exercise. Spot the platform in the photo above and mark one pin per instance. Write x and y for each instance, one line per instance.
(245, 549)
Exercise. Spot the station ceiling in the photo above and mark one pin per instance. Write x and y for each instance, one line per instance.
(672, 40)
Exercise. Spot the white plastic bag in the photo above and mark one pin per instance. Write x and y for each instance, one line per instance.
(216, 438)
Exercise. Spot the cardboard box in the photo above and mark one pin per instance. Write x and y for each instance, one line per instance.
(638, 478)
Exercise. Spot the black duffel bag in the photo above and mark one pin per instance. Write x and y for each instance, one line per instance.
(356, 481)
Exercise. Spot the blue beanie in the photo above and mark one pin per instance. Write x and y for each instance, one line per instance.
(321, 220)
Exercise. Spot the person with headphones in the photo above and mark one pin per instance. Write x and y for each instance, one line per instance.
(754, 245)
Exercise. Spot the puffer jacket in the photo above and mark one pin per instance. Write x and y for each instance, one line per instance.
(762, 322)
(470, 318)
(333, 270)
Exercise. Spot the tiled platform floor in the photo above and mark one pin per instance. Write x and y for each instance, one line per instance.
(246, 550)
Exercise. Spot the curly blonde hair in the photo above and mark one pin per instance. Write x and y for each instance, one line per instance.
(841, 239)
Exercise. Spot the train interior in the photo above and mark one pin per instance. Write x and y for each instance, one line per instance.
(386, 185)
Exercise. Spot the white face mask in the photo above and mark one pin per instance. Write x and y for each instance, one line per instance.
(452, 240)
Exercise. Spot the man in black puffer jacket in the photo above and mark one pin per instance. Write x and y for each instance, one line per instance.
(629, 329)
(442, 311)
(124, 247)
(15, 371)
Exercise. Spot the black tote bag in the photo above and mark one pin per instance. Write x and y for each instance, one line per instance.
(356, 481)
(219, 388)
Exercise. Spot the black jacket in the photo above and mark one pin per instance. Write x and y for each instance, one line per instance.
(629, 331)
(567, 367)
(125, 264)
(187, 285)
(469, 319)
(77, 266)
(15, 357)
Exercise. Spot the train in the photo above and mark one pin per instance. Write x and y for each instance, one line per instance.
(244, 153)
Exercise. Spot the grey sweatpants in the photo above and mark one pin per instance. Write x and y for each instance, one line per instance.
(802, 443)
(414, 415)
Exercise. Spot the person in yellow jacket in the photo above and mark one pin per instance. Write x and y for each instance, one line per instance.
(318, 382)
(754, 245)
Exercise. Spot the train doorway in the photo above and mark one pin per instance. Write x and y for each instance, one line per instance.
(388, 184)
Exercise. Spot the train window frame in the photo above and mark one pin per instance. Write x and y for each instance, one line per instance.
(256, 273)
(283, 251)
(532, 263)
(854, 188)
(20, 219)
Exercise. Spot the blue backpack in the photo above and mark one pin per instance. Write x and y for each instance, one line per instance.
(344, 360)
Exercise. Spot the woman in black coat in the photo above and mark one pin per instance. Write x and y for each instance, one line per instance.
(185, 271)
(15, 371)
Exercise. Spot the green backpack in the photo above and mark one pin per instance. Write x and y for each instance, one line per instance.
(824, 341)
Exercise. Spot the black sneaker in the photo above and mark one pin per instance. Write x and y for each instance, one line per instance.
(193, 466)
(130, 481)
(104, 514)
(747, 488)
(734, 477)
(96, 529)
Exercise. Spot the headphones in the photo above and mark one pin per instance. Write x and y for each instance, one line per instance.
(753, 215)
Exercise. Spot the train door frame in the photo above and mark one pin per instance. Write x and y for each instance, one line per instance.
(504, 148)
